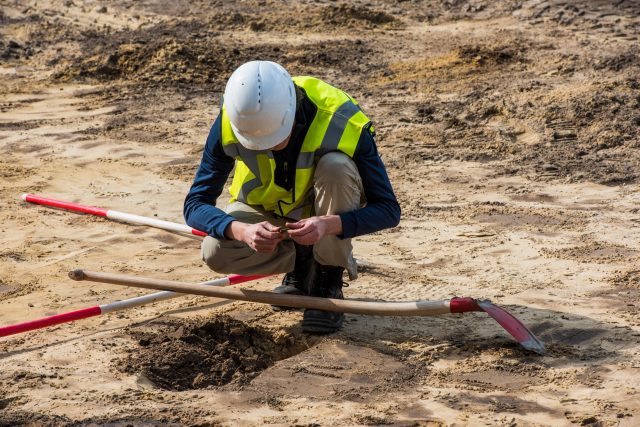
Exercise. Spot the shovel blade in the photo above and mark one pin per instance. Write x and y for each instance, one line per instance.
(514, 326)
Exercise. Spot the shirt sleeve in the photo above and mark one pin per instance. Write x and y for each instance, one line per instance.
(200, 211)
(382, 209)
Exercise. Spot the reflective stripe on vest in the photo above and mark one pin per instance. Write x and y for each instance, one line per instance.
(336, 127)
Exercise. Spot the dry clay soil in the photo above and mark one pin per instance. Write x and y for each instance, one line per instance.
(510, 133)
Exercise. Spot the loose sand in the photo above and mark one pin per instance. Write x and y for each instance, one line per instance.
(510, 132)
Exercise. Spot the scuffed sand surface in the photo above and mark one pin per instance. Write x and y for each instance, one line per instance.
(510, 133)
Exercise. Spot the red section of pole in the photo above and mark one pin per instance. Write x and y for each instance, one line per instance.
(92, 210)
(234, 279)
(31, 325)
(50, 321)
(112, 214)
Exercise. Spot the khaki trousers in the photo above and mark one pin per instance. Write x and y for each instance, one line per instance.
(337, 187)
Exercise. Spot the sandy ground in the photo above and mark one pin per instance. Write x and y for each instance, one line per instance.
(510, 132)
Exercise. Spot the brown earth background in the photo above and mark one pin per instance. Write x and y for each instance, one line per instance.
(510, 133)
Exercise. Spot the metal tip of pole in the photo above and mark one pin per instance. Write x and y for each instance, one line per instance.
(77, 274)
(24, 197)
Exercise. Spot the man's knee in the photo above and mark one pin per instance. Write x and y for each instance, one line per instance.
(336, 167)
(337, 186)
(212, 255)
(232, 257)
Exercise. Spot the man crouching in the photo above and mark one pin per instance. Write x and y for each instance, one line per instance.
(307, 179)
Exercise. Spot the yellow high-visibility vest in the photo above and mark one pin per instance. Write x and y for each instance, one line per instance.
(336, 126)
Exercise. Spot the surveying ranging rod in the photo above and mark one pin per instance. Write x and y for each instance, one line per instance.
(113, 215)
(97, 310)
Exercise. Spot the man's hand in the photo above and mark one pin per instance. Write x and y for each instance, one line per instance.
(262, 237)
(308, 231)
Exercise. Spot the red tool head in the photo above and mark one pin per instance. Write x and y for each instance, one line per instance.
(509, 322)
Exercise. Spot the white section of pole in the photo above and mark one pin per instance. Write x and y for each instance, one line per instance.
(157, 296)
(152, 222)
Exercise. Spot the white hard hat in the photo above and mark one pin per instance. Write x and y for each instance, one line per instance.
(260, 100)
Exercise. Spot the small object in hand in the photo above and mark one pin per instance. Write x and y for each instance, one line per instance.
(284, 230)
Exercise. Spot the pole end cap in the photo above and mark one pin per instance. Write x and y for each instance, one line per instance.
(24, 196)
(77, 274)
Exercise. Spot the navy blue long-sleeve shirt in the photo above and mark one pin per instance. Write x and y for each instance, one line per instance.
(381, 210)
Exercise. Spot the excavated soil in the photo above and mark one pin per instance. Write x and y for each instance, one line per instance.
(510, 133)
(206, 354)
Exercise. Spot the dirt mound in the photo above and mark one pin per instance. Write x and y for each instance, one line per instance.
(438, 11)
(10, 49)
(274, 16)
(466, 61)
(350, 16)
(194, 355)
(21, 418)
(619, 61)
(492, 54)
(589, 133)
(627, 280)
(342, 17)
(583, 15)
(574, 131)
(187, 53)
(180, 52)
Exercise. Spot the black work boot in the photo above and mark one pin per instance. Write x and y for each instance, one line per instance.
(326, 283)
(296, 282)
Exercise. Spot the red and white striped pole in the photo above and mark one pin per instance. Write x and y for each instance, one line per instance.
(113, 215)
(97, 310)
(117, 305)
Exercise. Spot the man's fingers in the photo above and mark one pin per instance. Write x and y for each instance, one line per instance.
(270, 227)
(306, 228)
(295, 225)
(270, 235)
